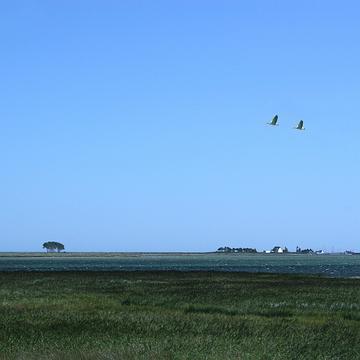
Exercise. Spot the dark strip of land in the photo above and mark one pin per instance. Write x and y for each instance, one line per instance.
(177, 315)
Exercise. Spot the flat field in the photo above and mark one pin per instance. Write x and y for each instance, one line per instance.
(338, 265)
(177, 315)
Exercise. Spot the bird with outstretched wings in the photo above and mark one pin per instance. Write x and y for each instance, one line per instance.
(300, 126)
(274, 121)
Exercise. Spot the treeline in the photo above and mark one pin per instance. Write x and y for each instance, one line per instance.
(304, 251)
(228, 249)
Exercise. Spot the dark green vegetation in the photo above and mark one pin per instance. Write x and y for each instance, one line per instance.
(177, 315)
(227, 249)
(51, 246)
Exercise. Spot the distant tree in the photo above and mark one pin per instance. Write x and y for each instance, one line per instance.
(307, 251)
(52, 246)
(228, 249)
(298, 249)
(286, 250)
(249, 250)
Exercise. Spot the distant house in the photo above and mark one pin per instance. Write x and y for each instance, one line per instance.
(320, 252)
(277, 250)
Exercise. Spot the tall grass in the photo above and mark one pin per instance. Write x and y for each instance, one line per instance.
(176, 315)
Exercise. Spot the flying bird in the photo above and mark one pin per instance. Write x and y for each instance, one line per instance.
(300, 126)
(274, 121)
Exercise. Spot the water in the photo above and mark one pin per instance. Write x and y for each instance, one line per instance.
(328, 265)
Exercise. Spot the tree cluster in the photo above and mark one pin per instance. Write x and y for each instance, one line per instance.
(236, 250)
(304, 251)
(52, 246)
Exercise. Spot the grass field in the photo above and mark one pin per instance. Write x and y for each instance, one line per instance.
(177, 315)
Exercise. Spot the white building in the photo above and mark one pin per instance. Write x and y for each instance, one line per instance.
(277, 250)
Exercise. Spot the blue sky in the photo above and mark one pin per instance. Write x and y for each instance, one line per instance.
(140, 125)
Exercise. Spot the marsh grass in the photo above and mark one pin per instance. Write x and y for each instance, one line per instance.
(177, 315)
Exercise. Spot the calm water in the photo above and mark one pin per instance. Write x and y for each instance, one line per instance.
(329, 265)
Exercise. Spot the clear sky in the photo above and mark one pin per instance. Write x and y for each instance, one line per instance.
(140, 125)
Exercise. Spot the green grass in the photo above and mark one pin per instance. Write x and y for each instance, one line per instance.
(176, 315)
